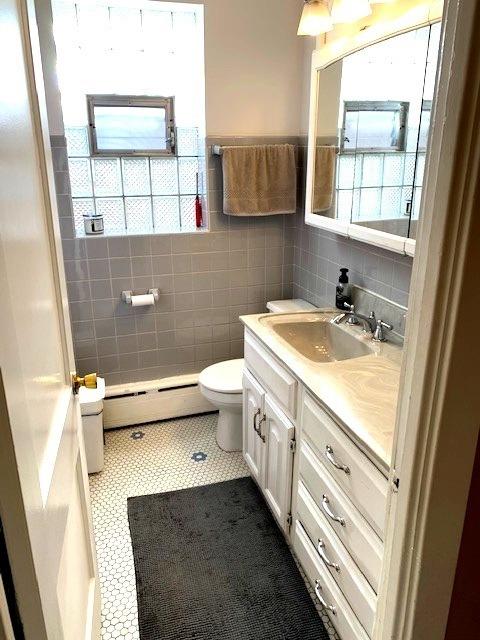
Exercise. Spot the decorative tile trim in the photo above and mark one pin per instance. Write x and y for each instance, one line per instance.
(395, 314)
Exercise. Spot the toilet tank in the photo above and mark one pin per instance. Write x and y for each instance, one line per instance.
(289, 306)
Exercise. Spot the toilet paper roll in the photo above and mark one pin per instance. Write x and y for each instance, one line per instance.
(147, 300)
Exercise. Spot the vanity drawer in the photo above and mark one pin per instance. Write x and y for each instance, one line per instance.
(272, 375)
(356, 534)
(342, 616)
(346, 574)
(365, 485)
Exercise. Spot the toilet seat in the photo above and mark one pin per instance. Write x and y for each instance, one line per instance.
(223, 377)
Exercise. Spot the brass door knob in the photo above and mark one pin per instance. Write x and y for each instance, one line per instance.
(89, 381)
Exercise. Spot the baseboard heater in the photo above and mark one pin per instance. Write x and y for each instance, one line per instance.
(140, 402)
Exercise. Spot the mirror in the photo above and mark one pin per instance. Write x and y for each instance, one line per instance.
(427, 102)
(371, 131)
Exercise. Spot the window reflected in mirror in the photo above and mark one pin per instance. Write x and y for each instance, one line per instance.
(372, 126)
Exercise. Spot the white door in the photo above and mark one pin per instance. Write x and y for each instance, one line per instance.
(279, 432)
(253, 442)
(44, 502)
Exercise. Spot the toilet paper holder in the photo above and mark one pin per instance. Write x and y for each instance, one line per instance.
(127, 295)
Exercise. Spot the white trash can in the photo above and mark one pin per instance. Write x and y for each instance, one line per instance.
(91, 405)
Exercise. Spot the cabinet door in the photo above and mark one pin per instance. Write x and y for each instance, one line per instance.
(279, 433)
(253, 444)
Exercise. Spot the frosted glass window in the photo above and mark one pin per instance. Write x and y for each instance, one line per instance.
(391, 202)
(107, 179)
(131, 128)
(344, 204)
(80, 177)
(393, 168)
(372, 172)
(132, 83)
(113, 212)
(138, 212)
(136, 180)
(374, 125)
(346, 172)
(166, 216)
(370, 203)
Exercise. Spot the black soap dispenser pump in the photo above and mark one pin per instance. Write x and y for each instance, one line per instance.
(343, 291)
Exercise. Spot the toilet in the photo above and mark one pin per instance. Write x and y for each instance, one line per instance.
(221, 384)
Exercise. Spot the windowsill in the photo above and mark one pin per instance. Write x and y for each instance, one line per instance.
(147, 232)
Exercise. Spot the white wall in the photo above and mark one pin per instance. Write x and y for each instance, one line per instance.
(43, 11)
(255, 67)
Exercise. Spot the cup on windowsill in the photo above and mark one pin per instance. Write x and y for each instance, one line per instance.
(93, 223)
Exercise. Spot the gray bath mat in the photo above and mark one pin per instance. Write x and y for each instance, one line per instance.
(211, 564)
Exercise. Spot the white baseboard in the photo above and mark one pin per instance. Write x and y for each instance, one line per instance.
(141, 402)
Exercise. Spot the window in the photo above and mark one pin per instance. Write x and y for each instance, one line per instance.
(374, 126)
(132, 82)
(131, 125)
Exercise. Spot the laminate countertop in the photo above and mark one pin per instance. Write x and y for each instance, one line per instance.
(360, 393)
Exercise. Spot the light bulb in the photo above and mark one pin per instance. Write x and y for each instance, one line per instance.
(350, 10)
(316, 18)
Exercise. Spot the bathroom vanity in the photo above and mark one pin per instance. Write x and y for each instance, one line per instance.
(318, 421)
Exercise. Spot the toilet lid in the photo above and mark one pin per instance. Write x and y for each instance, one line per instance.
(223, 377)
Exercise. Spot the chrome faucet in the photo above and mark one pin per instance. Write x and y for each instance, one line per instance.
(378, 334)
(370, 323)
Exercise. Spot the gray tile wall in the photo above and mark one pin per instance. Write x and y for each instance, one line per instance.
(206, 280)
(319, 254)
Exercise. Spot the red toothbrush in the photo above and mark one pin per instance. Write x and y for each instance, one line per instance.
(198, 209)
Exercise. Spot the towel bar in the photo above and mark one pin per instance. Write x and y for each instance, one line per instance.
(217, 150)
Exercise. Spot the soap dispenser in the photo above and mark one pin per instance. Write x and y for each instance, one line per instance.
(343, 291)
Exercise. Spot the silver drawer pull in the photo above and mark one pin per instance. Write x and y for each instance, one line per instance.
(329, 512)
(258, 427)
(323, 555)
(330, 607)
(331, 458)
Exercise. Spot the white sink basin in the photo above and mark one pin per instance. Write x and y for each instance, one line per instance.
(317, 339)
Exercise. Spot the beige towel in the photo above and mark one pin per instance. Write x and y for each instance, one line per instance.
(325, 160)
(259, 180)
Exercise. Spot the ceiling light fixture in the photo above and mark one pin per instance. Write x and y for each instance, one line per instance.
(316, 18)
(350, 10)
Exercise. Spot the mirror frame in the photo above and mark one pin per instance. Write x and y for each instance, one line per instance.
(338, 46)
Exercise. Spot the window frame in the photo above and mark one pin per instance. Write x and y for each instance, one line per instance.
(427, 106)
(377, 105)
(101, 100)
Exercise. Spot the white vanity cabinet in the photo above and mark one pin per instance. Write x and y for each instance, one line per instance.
(253, 441)
(327, 495)
(280, 444)
(268, 437)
